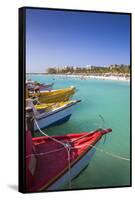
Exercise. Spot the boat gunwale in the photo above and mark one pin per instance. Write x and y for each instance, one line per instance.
(62, 108)
(71, 164)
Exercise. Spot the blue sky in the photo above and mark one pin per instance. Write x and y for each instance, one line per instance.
(59, 38)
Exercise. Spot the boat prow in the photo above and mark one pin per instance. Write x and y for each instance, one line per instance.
(53, 163)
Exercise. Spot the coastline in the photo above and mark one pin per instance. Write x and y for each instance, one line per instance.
(83, 77)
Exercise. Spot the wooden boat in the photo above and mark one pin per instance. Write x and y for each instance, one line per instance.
(52, 113)
(44, 87)
(54, 95)
(29, 81)
(54, 161)
(34, 86)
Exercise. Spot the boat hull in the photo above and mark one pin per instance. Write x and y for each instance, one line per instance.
(46, 87)
(47, 163)
(55, 96)
(75, 170)
(56, 117)
(49, 88)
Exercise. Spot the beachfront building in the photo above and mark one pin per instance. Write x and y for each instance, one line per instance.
(121, 70)
(94, 67)
(114, 66)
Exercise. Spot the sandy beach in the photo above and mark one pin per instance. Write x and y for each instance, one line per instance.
(111, 77)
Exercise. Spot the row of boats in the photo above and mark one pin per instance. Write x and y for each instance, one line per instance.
(51, 107)
(52, 161)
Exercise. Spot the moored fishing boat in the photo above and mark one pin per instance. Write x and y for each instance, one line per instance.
(29, 81)
(52, 113)
(44, 87)
(54, 95)
(34, 86)
(54, 161)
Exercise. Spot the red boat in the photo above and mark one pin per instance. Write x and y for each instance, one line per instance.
(54, 161)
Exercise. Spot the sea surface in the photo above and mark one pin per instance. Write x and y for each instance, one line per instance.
(106, 104)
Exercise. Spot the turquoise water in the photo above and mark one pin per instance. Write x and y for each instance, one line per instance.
(111, 100)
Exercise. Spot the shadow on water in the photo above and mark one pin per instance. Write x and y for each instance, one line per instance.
(13, 187)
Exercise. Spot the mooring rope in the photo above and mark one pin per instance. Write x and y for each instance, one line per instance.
(103, 121)
(69, 165)
(45, 153)
(68, 148)
(97, 148)
(79, 146)
(102, 151)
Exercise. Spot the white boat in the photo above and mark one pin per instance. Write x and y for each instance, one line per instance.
(53, 113)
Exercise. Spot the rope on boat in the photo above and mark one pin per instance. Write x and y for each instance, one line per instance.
(48, 135)
(69, 165)
(103, 121)
(117, 156)
(45, 153)
(102, 125)
(102, 151)
(79, 146)
(66, 146)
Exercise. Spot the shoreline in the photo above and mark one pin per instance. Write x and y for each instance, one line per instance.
(84, 77)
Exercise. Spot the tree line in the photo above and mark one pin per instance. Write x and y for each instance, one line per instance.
(122, 69)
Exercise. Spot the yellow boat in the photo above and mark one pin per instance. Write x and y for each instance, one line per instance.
(46, 107)
(54, 96)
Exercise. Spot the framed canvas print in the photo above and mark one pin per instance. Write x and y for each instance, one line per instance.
(74, 99)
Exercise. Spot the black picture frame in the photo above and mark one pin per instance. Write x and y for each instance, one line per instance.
(21, 92)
